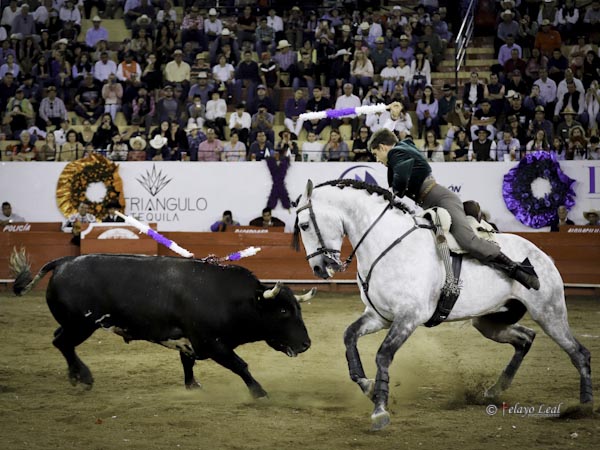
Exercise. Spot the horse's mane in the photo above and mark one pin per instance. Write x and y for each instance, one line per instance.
(371, 189)
(355, 184)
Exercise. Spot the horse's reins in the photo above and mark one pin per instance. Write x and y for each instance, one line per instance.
(331, 253)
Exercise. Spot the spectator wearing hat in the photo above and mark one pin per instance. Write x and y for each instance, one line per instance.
(547, 39)
(247, 75)
(380, 55)
(192, 27)
(515, 107)
(456, 143)
(339, 73)
(178, 71)
(212, 25)
(134, 9)
(446, 103)
(158, 149)
(287, 147)
(482, 148)
(563, 129)
(112, 207)
(169, 107)
(95, 33)
(507, 26)
(540, 122)
(195, 137)
(261, 98)
(52, 110)
(210, 149)
(202, 87)
(404, 50)
(548, 10)
(137, 149)
(262, 121)
(294, 25)
(344, 38)
(483, 117)
(219, 45)
(286, 60)
(23, 23)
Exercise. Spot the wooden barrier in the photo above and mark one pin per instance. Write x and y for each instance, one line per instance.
(576, 254)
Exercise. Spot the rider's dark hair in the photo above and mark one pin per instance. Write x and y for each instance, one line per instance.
(383, 136)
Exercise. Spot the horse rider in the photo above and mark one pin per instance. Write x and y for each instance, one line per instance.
(409, 174)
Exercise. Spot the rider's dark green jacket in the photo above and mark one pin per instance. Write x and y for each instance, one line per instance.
(407, 169)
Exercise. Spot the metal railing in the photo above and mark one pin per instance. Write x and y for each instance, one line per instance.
(463, 38)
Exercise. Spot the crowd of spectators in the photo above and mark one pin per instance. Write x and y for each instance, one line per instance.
(207, 85)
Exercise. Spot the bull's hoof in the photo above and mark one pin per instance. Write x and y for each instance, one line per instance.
(380, 420)
(367, 385)
(492, 392)
(194, 385)
(258, 393)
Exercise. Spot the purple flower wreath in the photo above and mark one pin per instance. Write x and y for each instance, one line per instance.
(518, 196)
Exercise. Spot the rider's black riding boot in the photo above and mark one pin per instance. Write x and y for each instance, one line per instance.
(522, 272)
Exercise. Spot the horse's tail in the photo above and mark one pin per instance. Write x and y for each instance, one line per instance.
(21, 268)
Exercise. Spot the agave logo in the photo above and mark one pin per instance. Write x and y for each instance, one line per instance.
(154, 181)
(360, 173)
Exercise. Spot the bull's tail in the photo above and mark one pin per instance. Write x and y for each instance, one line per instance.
(21, 268)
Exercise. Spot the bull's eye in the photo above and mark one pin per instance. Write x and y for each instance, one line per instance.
(283, 311)
(304, 226)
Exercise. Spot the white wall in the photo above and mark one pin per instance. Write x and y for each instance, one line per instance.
(197, 193)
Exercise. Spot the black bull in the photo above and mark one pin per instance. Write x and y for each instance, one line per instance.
(204, 310)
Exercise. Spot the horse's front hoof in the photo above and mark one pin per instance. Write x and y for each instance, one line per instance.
(380, 420)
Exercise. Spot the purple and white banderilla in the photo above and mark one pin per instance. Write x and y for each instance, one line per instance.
(337, 113)
(143, 228)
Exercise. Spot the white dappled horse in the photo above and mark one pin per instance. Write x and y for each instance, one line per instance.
(407, 275)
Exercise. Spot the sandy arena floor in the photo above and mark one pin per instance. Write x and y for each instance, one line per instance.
(139, 402)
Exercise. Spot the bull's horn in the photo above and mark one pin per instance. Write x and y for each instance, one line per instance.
(272, 293)
(306, 297)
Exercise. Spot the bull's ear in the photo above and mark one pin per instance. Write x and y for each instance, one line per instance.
(309, 189)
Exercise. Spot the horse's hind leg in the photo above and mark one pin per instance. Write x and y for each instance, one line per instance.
(366, 324)
(554, 322)
(518, 336)
(66, 340)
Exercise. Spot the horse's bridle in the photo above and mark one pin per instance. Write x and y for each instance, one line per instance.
(332, 253)
(322, 249)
